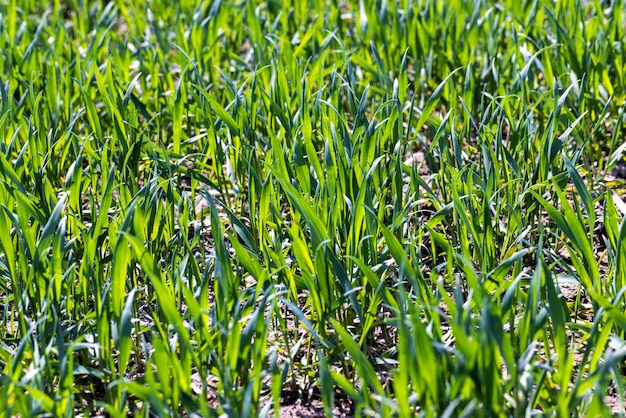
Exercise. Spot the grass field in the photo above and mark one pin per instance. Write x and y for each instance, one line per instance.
(340, 207)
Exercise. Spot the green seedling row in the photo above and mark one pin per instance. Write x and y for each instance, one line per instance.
(343, 208)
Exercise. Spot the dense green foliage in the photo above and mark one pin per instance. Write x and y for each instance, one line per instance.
(217, 207)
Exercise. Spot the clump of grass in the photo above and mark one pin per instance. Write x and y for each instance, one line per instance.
(387, 208)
